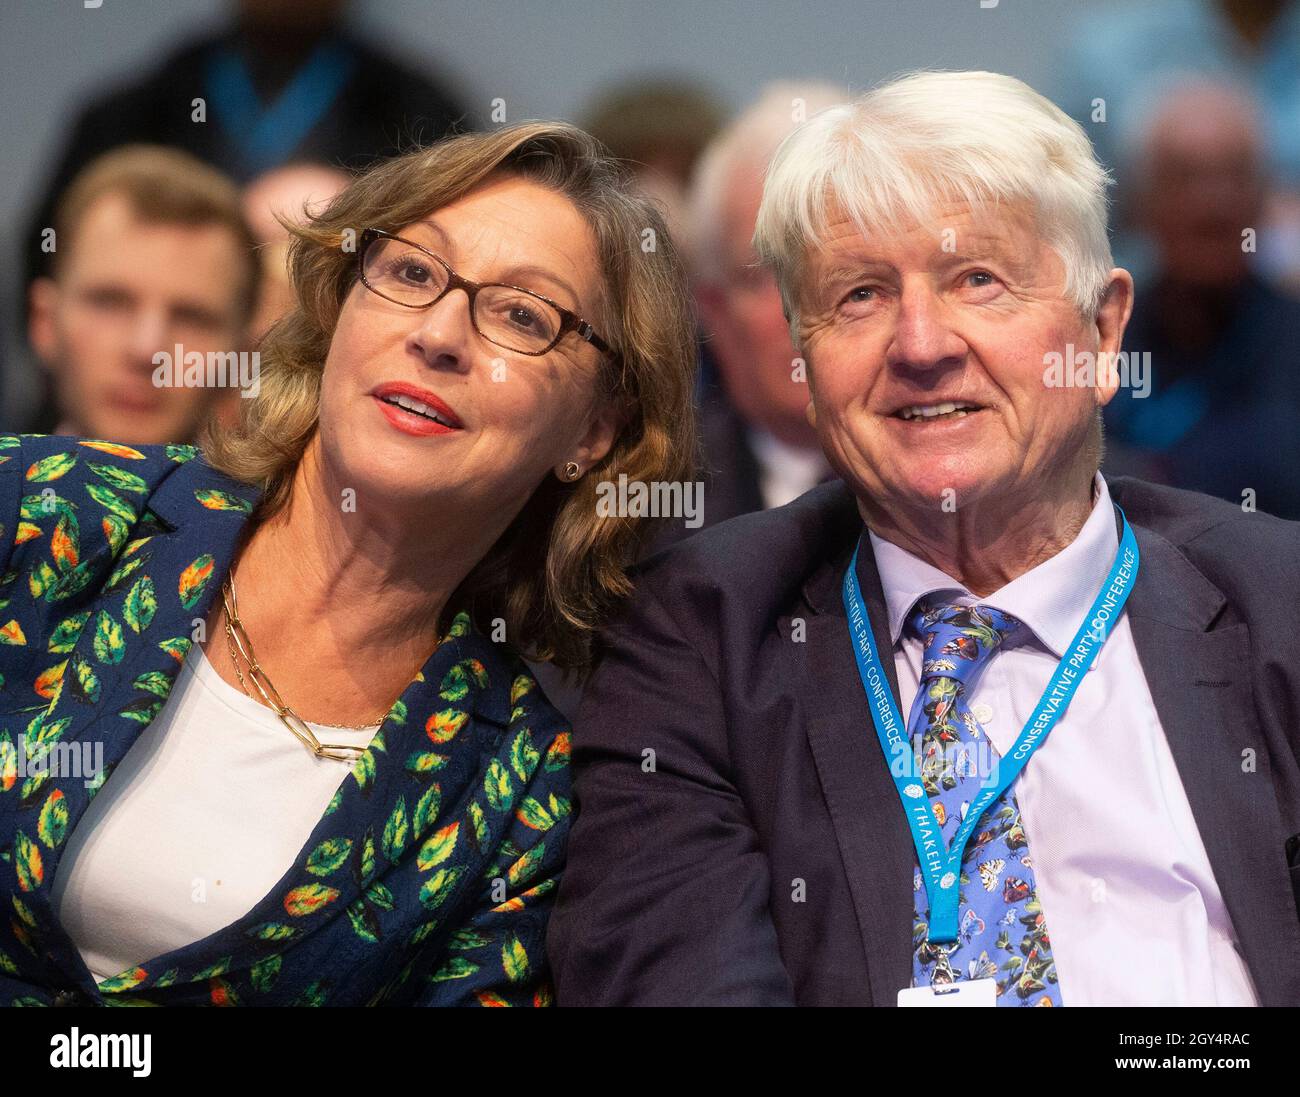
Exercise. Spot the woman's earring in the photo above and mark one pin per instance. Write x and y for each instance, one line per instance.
(572, 470)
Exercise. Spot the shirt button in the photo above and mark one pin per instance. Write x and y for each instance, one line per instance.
(982, 712)
(67, 998)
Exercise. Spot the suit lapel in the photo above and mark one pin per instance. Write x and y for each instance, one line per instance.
(874, 842)
(141, 610)
(1201, 683)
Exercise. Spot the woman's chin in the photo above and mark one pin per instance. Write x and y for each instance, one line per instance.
(385, 474)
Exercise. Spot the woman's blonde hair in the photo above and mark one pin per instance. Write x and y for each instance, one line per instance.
(560, 566)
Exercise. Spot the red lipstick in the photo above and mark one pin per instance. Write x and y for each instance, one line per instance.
(414, 422)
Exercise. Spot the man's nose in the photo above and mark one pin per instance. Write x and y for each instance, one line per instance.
(445, 330)
(150, 333)
(923, 333)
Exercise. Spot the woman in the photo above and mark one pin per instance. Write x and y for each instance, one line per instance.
(288, 668)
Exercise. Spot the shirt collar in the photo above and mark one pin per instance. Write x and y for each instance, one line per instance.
(772, 453)
(1051, 599)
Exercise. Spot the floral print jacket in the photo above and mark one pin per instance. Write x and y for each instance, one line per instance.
(430, 877)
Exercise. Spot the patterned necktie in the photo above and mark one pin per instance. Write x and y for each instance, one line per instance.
(1001, 930)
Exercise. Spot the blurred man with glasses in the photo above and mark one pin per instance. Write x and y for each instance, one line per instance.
(759, 448)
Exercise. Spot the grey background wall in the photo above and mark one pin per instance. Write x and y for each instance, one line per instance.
(545, 59)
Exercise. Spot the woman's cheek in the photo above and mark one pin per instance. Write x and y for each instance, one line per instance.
(510, 425)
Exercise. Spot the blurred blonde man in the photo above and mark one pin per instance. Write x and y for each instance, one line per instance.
(151, 253)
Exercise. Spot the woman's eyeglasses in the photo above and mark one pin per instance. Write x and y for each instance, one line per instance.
(509, 316)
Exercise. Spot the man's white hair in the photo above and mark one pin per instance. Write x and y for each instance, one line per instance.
(747, 142)
(892, 157)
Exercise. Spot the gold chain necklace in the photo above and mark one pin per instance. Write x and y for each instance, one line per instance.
(239, 644)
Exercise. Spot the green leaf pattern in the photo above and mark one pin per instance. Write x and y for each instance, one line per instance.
(439, 853)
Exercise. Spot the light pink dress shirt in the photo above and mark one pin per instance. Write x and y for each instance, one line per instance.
(1132, 907)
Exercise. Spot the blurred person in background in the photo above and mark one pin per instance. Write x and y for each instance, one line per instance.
(759, 448)
(286, 80)
(151, 251)
(1115, 56)
(289, 192)
(1221, 411)
(660, 126)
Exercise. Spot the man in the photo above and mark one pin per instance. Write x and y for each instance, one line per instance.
(759, 448)
(755, 825)
(284, 81)
(1220, 412)
(151, 252)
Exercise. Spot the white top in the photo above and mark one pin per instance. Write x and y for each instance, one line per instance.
(206, 811)
(1130, 900)
(785, 472)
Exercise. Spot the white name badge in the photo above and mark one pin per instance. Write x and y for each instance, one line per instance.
(966, 992)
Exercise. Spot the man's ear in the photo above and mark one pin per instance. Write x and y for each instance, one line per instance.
(1112, 318)
(42, 305)
(809, 412)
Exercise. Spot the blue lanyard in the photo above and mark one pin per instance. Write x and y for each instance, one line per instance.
(268, 135)
(941, 869)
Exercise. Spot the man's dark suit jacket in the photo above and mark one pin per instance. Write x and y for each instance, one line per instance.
(766, 769)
